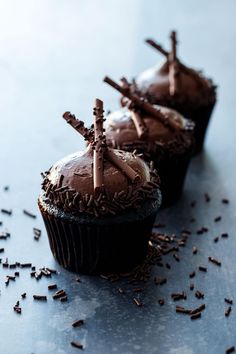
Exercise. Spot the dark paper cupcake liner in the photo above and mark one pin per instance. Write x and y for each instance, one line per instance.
(172, 172)
(94, 246)
(201, 117)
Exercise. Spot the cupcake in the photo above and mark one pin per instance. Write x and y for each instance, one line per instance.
(176, 86)
(159, 134)
(99, 205)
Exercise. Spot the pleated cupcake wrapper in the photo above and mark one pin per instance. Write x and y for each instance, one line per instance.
(172, 173)
(201, 118)
(94, 249)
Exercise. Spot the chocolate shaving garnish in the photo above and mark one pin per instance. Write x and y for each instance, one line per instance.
(140, 125)
(77, 345)
(78, 125)
(215, 261)
(64, 298)
(58, 294)
(78, 323)
(124, 167)
(28, 213)
(98, 146)
(180, 309)
(173, 66)
(142, 104)
(198, 309)
(157, 46)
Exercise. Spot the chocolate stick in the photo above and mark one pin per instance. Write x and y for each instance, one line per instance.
(98, 149)
(137, 101)
(139, 125)
(78, 125)
(122, 165)
(157, 46)
(173, 65)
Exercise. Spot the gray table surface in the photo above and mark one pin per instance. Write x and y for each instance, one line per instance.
(53, 57)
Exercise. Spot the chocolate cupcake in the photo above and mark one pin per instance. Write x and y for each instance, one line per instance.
(159, 134)
(176, 86)
(99, 205)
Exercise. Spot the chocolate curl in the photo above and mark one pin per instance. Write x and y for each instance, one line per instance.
(98, 147)
(157, 46)
(78, 125)
(126, 169)
(173, 65)
(141, 104)
(139, 125)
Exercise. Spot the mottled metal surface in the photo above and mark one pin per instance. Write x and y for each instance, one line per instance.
(53, 56)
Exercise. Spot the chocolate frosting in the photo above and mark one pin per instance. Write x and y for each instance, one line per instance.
(69, 184)
(193, 87)
(121, 132)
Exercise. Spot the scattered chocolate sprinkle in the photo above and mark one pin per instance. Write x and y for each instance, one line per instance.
(202, 269)
(192, 275)
(58, 294)
(225, 201)
(216, 239)
(26, 265)
(180, 309)
(78, 323)
(78, 280)
(28, 213)
(230, 350)
(40, 297)
(218, 218)
(5, 211)
(176, 257)
(64, 299)
(168, 266)
(77, 345)
(137, 302)
(121, 291)
(196, 316)
(1, 250)
(224, 235)
(195, 250)
(160, 281)
(207, 197)
(17, 274)
(52, 286)
(215, 261)
(228, 311)
(23, 295)
(228, 301)
(191, 287)
(186, 231)
(161, 302)
(198, 309)
(193, 203)
(179, 296)
(6, 188)
(199, 294)
(12, 266)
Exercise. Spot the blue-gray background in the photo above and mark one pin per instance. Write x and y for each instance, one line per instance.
(53, 56)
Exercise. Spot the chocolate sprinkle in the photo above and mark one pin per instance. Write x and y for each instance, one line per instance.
(215, 261)
(77, 345)
(196, 316)
(228, 311)
(218, 218)
(202, 269)
(28, 213)
(230, 350)
(78, 323)
(228, 301)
